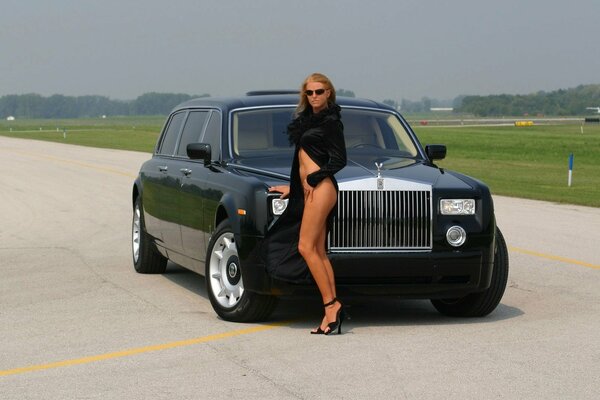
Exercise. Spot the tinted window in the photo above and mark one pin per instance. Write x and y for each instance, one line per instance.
(376, 133)
(169, 139)
(212, 134)
(192, 130)
(257, 133)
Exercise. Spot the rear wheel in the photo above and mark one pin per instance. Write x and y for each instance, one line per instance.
(146, 259)
(225, 284)
(482, 303)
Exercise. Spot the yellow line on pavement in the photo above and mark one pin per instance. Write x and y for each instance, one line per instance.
(554, 258)
(140, 350)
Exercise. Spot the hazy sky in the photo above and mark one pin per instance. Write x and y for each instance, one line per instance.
(379, 49)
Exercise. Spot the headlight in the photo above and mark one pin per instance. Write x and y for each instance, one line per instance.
(457, 206)
(278, 206)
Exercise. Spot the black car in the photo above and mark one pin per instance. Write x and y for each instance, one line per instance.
(403, 226)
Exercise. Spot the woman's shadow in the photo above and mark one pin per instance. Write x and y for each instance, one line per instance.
(381, 311)
(306, 308)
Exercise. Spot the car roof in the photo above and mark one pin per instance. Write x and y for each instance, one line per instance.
(267, 98)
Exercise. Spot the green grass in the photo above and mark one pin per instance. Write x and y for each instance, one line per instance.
(125, 133)
(527, 162)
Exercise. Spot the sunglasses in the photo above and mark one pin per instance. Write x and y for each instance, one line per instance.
(318, 92)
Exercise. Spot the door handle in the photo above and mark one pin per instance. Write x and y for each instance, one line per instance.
(163, 168)
(186, 171)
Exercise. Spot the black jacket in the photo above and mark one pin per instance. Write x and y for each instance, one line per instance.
(322, 138)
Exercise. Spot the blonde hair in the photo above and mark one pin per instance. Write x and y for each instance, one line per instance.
(315, 77)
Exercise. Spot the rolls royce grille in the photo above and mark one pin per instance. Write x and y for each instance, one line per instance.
(381, 220)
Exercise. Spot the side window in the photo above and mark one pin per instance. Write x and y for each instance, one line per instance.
(169, 139)
(212, 135)
(194, 125)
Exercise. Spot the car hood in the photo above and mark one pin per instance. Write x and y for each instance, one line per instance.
(397, 172)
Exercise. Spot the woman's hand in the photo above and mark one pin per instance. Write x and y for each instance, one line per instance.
(308, 191)
(283, 189)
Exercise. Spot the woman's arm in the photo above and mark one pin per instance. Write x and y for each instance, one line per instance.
(336, 148)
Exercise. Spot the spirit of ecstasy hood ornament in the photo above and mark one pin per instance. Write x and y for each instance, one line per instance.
(379, 177)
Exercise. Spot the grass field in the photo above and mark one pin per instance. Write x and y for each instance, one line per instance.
(528, 162)
(126, 133)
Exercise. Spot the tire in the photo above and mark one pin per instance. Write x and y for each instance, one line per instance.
(146, 259)
(482, 303)
(225, 285)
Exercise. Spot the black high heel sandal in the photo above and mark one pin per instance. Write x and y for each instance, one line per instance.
(339, 318)
(320, 331)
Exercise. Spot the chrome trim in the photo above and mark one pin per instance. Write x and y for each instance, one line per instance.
(263, 172)
(383, 220)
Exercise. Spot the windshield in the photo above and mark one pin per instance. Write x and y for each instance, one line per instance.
(262, 132)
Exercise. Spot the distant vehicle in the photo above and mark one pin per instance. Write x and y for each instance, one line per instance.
(403, 226)
(594, 108)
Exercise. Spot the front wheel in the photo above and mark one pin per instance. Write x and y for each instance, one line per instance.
(481, 303)
(225, 284)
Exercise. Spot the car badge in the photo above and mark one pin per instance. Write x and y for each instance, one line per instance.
(379, 177)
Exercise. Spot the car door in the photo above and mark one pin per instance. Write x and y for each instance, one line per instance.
(160, 211)
(197, 204)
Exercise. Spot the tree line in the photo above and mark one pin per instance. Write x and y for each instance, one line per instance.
(562, 102)
(59, 106)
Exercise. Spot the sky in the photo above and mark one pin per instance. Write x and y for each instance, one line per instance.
(379, 49)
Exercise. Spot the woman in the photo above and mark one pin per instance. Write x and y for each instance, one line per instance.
(317, 133)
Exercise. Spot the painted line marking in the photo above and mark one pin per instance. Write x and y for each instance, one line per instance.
(141, 350)
(554, 258)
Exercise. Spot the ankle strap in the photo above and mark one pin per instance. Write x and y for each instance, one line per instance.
(332, 302)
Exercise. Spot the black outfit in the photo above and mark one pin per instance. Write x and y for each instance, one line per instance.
(321, 136)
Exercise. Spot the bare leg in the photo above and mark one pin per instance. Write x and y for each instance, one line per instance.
(312, 244)
(329, 269)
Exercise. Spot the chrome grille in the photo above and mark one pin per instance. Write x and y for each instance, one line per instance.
(384, 220)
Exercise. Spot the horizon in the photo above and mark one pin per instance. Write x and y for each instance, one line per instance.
(345, 89)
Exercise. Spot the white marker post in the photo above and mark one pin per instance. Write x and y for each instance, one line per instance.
(570, 169)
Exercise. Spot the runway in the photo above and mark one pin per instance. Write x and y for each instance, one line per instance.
(78, 322)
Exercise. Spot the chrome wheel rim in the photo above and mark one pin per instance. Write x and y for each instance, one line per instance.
(136, 234)
(225, 275)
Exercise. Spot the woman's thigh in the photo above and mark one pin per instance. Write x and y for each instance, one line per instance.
(316, 210)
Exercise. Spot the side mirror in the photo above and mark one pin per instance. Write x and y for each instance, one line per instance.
(435, 151)
(199, 151)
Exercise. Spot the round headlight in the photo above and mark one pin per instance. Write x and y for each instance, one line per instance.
(456, 236)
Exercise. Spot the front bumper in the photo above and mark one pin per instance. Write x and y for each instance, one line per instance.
(432, 274)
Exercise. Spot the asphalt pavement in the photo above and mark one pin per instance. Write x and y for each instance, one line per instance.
(76, 321)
